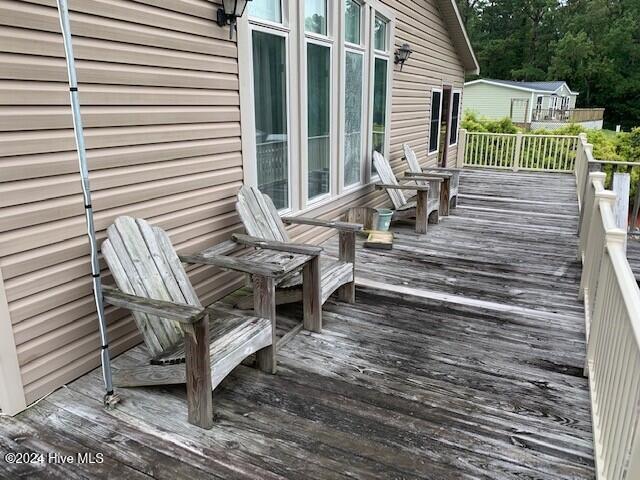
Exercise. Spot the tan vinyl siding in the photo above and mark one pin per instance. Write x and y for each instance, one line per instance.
(160, 104)
(434, 63)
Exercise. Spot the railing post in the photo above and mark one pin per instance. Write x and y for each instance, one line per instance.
(593, 247)
(586, 213)
(621, 187)
(462, 144)
(517, 153)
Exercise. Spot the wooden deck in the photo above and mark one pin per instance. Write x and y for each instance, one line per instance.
(633, 255)
(461, 359)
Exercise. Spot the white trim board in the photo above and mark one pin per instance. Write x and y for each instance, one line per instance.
(12, 398)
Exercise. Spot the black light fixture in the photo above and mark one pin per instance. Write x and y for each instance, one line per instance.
(402, 54)
(229, 13)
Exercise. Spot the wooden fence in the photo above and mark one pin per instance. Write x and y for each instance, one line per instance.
(545, 153)
(612, 319)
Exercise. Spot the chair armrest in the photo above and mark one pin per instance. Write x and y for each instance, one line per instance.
(299, 248)
(233, 263)
(417, 188)
(433, 176)
(184, 314)
(342, 226)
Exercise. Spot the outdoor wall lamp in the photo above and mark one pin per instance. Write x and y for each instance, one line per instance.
(402, 54)
(229, 13)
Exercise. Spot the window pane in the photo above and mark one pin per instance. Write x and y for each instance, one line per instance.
(379, 103)
(353, 118)
(380, 34)
(455, 113)
(352, 22)
(266, 9)
(318, 118)
(270, 96)
(315, 16)
(435, 121)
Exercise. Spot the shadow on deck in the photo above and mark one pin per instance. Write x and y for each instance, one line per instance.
(461, 359)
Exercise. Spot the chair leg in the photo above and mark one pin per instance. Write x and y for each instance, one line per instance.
(421, 212)
(199, 396)
(264, 304)
(312, 295)
(347, 292)
(347, 253)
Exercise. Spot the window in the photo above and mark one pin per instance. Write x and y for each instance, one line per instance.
(318, 119)
(434, 127)
(455, 118)
(270, 10)
(380, 34)
(353, 22)
(353, 117)
(320, 102)
(315, 16)
(271, 116)
(379, 104)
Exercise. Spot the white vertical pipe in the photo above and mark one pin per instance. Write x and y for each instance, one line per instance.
(86, 192)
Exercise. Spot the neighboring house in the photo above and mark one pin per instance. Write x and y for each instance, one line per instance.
(177, 118)
(535, 105)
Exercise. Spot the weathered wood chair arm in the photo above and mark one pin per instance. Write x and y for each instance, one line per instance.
(298, 248)
(185, 314)
(428, 175)
(235, 264)
(417, 188)
(337, 225)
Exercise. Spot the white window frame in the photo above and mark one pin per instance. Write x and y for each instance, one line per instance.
(327, 40)
(304, 126)
(296, 40)
(246, 26)
(453, 93)
(363, 122)
(376, 8)
(437, 150)
(362, 49)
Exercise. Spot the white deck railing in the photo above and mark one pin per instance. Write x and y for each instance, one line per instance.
(612, 319)
(545, 153)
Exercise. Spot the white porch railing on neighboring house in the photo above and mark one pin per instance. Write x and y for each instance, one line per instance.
(548, 153)
(612, 319)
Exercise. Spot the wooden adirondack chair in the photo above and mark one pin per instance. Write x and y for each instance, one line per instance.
(415, 170)
(176, 329)
(425, 207)
(261, 220)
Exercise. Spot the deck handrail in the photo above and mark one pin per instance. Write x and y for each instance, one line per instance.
(520, 151)
(612, 324)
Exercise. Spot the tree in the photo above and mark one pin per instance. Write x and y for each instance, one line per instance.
(593, 45)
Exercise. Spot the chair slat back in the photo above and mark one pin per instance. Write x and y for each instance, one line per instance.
(388, 177)
(413, 163)
(259, 215)
(143, 262)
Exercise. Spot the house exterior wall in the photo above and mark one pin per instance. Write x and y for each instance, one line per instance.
(492, 101)
(159, 88)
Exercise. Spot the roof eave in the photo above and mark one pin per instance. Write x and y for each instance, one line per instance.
(459, 36)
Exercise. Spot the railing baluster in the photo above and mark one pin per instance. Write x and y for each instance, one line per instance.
(612, 304)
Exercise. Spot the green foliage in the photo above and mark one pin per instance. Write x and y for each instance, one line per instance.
(593, 45)
(473, 123)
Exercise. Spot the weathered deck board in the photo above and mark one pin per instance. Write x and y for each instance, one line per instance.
(633, 255)
(464, 362)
